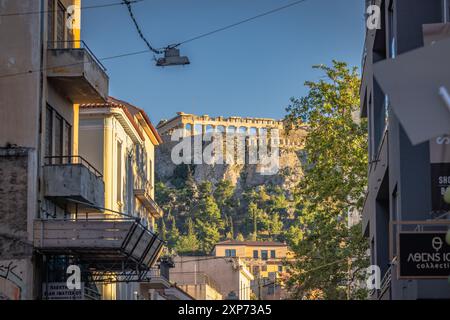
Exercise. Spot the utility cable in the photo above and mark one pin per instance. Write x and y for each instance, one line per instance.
(241, 22)
(159, 51)
(138, 29)
(14, 14)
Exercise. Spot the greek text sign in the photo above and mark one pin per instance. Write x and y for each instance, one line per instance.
(59, 291)
(423, 255)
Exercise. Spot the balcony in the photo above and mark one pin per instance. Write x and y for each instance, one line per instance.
(142, 191)
(155, 280)
(73, 180)
(77, 72)
(118, 242)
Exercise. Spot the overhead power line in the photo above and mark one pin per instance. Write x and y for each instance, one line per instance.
(158, 51)
(241, 22)
(13, 14)
(138, 29)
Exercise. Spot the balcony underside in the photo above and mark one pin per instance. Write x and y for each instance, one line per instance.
(115, 242)
(77, 89)
(79, 76)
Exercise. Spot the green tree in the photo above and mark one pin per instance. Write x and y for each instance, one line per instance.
(330, 256)
(240, 237)
(253, 213)
(208, 222)
(162, 230)
(224, 195)
(188, 243)
(174, 235)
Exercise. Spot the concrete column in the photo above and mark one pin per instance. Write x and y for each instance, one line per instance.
(108, 161)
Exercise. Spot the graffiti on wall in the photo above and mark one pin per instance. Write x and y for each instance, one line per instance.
(11, 279)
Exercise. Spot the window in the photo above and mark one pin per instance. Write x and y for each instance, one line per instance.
(67, 139)
(119, 172)
(263, 268)
(150, 172)
(255, 254)
(264, 254)
(446, 11)
(48, 131)
(255, 270)
(51, 20)
(272, 254)
(230, 252)
(60, 22)
(58, 136)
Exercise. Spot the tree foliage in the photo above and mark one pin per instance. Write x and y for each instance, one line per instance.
(330, 254)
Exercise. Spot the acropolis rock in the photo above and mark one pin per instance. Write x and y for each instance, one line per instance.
(243, 175)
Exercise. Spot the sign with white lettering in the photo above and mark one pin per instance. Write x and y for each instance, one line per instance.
(423, 255)
(439, 172)
(59, 291)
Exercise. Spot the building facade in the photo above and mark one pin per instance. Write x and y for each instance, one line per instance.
(120, 140)
(264, 259)
(402, 180)
(53, 216)
(209, 278)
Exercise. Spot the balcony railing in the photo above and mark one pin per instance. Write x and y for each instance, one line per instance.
(192, 278)
(77, 72)
(114, 239)
(68, 178)
(75, 44)
(72, 160)
(143, 191)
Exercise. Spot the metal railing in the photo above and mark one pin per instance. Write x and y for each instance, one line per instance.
(75, 45)
(141, 183)
(71, 160)
(386, 280)
(194, 278)
(111, 215)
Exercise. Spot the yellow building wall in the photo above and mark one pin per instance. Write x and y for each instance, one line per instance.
(246, 252)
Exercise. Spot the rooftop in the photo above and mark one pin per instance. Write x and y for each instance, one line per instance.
(251, 243)
(128, 109)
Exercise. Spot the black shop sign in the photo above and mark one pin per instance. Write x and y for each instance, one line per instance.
(423, 255)
(440, 181)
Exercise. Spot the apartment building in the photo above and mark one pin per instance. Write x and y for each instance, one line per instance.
(264, 259)
(404, 211)
(120, 140)
(210, 278)
(53, 216)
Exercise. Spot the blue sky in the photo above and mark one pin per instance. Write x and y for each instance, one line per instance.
(251, 70)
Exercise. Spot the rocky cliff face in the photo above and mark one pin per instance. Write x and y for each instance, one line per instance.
(243, 176)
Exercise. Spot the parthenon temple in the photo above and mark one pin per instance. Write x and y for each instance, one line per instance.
(196, 125)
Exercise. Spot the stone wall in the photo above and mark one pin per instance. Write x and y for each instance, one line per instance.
(15, 249)
(13, 202)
